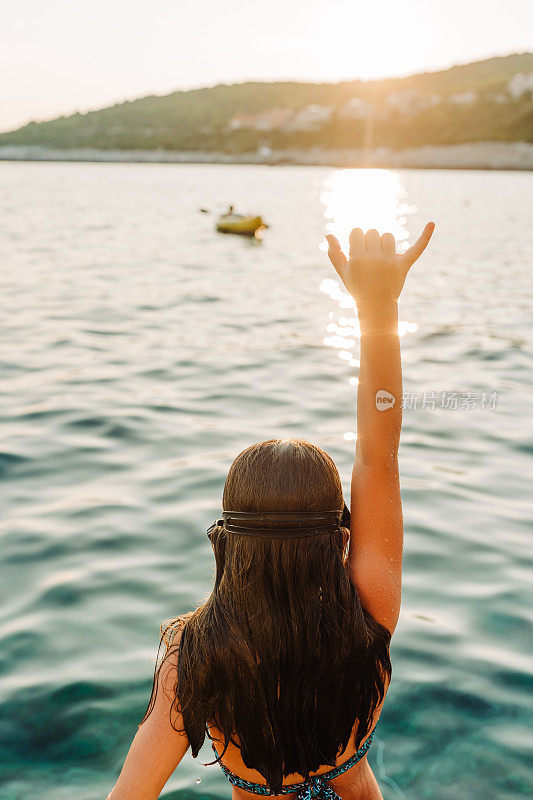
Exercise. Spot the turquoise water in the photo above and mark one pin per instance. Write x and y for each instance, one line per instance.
(140, 352)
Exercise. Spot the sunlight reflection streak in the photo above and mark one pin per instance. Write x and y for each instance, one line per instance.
(365, 198)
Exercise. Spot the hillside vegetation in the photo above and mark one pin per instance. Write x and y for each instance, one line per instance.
(466, 103)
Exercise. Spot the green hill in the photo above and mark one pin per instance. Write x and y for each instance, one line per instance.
(466, 103)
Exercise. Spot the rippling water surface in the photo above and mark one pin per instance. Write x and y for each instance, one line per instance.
(141, 351)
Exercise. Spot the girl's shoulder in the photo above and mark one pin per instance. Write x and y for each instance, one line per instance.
(171, 629)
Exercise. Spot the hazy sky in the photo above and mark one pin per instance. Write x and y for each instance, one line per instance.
(59, 56)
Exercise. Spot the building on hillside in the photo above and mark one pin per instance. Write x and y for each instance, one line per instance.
(310, 118)
(354, 109)
(520, 84)
(241, 121)
(271, 120)
(463, 98)
(410, 101)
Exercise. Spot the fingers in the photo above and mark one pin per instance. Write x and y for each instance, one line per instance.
(336, 256)
(372, 242)
(357, 243)
(414, 252)
(388, 244)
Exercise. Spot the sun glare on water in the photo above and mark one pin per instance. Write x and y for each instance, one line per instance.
(365, 198)
(359, 198)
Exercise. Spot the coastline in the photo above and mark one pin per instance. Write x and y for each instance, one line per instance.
(475, 155)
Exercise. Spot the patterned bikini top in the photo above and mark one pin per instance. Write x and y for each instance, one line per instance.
(316, 787)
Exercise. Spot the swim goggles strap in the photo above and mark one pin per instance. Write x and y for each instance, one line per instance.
(294, 523)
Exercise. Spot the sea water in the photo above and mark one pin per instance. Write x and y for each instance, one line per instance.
(141, 351)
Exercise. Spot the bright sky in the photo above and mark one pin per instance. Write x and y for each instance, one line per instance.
(59, 56)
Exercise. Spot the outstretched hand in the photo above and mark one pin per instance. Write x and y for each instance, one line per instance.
(374, 273)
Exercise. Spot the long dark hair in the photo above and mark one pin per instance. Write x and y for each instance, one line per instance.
(282, 657)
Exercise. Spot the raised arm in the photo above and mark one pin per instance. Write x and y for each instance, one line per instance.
(374, 275)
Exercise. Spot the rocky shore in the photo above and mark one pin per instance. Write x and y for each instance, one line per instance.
(475, 155)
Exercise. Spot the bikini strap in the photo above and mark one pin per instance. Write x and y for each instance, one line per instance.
(316, 787)
(336, 771)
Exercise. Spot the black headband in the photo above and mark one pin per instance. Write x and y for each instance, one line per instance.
(301, 523)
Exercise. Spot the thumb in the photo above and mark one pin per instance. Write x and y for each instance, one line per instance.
(335, 254)
(414, 252)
